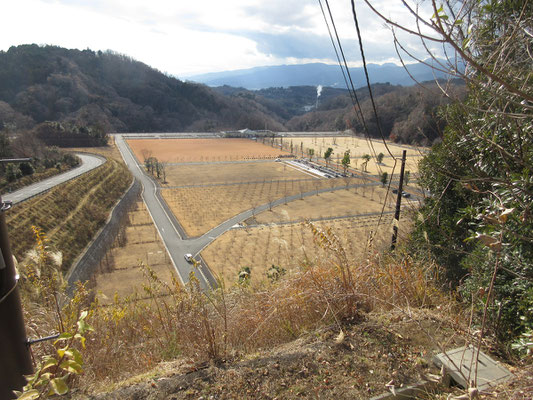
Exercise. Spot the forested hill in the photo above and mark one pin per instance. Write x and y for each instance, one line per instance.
(405, 114)
(115, 92)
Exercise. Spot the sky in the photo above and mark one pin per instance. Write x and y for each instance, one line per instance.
(188, 37)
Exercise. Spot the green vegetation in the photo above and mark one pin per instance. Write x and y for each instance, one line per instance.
(69, 214)
(364, 164)
(45, 161)
(384, 178)
(327, 155)
(346, 160)
(68, 135)
(478, 224)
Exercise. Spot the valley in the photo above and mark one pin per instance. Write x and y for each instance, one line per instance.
(233, 207)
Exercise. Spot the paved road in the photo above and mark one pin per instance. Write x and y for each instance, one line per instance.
(175, 245)
(88, 162)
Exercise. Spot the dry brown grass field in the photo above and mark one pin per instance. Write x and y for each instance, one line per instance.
(354, 201)
(197, 174)
(292, 246)
(358, 147)
(120, 269)
(200, 150)
(199, 209)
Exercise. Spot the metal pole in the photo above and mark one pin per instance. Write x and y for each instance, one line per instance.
(398, 204)
(15, 358)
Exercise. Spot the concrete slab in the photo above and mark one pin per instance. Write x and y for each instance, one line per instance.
(460, 365)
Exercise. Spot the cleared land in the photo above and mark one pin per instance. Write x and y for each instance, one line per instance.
(194, 174)
(217, 185)
(358, 147)
(201, 150)
(199, 209)
(350, 202)
(294, 246)
(120, 270)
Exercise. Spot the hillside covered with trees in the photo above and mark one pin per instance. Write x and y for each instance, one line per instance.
(113, 92)
(406, 114)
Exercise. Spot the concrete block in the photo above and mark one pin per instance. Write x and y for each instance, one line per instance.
(460, 365)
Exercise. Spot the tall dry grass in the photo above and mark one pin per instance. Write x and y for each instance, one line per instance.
(166, 321)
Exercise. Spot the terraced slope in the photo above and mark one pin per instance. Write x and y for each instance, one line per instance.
(69, 214)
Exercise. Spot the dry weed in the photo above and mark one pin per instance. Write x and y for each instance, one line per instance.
(165, 321)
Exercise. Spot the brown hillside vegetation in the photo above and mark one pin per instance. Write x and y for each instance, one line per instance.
(175, 321)
(381, 348)
(114, 92)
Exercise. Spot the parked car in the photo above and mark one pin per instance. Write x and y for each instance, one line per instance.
(188, 257)
(406, 195)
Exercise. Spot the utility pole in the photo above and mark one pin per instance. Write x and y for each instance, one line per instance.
(398, 204)
(15, 358)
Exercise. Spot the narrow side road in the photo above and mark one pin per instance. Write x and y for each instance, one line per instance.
(88, 162)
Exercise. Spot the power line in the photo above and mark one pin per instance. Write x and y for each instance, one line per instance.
(354, 13)
(338, 58)
(350, 87)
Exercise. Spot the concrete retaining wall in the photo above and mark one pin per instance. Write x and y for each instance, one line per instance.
(87, 263)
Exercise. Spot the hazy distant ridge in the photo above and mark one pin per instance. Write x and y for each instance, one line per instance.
(314, 75)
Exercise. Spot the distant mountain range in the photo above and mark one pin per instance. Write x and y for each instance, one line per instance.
(316, 74)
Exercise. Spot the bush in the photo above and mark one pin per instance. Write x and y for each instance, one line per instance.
(26, 168)
(71, 160)
(12, 172)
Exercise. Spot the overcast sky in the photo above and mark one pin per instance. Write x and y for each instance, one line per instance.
(185, 37)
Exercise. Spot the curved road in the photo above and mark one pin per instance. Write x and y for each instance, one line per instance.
(88, 162)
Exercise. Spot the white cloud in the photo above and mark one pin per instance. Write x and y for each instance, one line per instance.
(188, 37)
